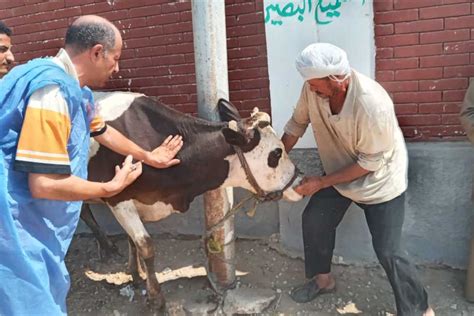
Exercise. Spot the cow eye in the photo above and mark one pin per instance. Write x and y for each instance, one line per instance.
(274, 157)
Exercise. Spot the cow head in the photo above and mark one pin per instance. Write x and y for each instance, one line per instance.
(263, 150)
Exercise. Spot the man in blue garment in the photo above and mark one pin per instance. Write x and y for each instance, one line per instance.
(46, 118)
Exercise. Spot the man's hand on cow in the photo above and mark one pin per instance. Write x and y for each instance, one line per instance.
(309, 185)
(124, 176)
(164, 155)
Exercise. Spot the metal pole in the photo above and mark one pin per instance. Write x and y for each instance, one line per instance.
(210, 52)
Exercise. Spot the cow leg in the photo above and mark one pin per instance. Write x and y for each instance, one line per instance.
(152, 281)
(127, 216)
(106, 247)
(134, 266)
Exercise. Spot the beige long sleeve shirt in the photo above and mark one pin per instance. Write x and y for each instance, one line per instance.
(467, 112)
(366, 132)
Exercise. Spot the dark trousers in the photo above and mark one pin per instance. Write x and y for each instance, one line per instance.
(321, 217)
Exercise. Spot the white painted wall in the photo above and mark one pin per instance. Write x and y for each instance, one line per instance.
(291, 25)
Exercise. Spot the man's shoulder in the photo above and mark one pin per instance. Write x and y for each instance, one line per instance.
(49, 98)
(51, 91)
(368, 86)
(371, 97)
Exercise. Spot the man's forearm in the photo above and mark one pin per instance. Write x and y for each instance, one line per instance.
(289, 141)
(344, 175)
(467, 112)
(68, 187)
(467, 121)
(116, 141)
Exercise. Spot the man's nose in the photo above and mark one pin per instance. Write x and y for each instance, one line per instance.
(9, 57)
(116, 68)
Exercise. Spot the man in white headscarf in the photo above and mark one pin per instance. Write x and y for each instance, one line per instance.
(365, 161)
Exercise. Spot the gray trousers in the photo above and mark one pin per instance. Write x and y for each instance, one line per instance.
(321, 217)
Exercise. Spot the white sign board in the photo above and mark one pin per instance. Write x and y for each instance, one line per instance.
(292, 25)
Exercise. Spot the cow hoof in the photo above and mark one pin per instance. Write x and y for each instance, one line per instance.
(137, 280)
(156, 302)
(138, 283)
(108, 252)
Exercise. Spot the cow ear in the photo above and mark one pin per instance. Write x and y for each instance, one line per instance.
(234, 138)
(227, 111)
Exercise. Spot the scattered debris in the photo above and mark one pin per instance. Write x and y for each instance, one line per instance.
(128, 292)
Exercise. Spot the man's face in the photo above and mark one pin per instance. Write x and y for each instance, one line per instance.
(324, 87)
(108, 64)
(6, 55)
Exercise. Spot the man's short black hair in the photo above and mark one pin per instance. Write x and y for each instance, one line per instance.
(84, 36)
(5, 29)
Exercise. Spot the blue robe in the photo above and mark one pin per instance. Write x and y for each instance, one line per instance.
(35, 233)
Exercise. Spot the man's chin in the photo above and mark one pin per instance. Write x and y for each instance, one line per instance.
(322, 95)
(3, 70)
(97, 85)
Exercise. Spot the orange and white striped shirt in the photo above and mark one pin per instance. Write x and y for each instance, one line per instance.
(42, 147)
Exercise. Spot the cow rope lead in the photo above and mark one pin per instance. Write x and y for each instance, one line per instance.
(212, 245)
(261, 196)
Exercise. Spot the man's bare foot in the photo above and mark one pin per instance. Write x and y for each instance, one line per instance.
(429, 312)
(325, 281)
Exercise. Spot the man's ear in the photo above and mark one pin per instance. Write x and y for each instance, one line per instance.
(234, 138)
(97, 51)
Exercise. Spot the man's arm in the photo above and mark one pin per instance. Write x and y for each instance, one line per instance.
(298, 122)
(42, 153)
(289, 141)
(467, 113)
(66, 187)
(161, 157)
(311, 185)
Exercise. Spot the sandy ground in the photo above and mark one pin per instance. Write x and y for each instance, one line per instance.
(360, 290)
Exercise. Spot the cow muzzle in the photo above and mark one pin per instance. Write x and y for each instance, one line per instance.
(261, 195)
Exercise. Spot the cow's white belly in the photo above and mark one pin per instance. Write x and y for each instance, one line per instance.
(154, 212)
(93, 147)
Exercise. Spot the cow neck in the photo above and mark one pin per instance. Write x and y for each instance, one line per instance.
(203, 165)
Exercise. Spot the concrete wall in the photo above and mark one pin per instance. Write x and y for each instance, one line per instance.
(438, 211)
(263, 224)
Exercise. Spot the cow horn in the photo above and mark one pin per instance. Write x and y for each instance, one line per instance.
(254, 111)
(260, 119)
(233, 126)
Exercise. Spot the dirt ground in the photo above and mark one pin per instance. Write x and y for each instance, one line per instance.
(360, 290)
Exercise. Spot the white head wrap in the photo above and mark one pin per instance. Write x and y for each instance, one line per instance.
(322, 60)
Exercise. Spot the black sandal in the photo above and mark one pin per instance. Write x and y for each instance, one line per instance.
(308, 292)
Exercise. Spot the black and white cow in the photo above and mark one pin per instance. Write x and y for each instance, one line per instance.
(208, 161)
